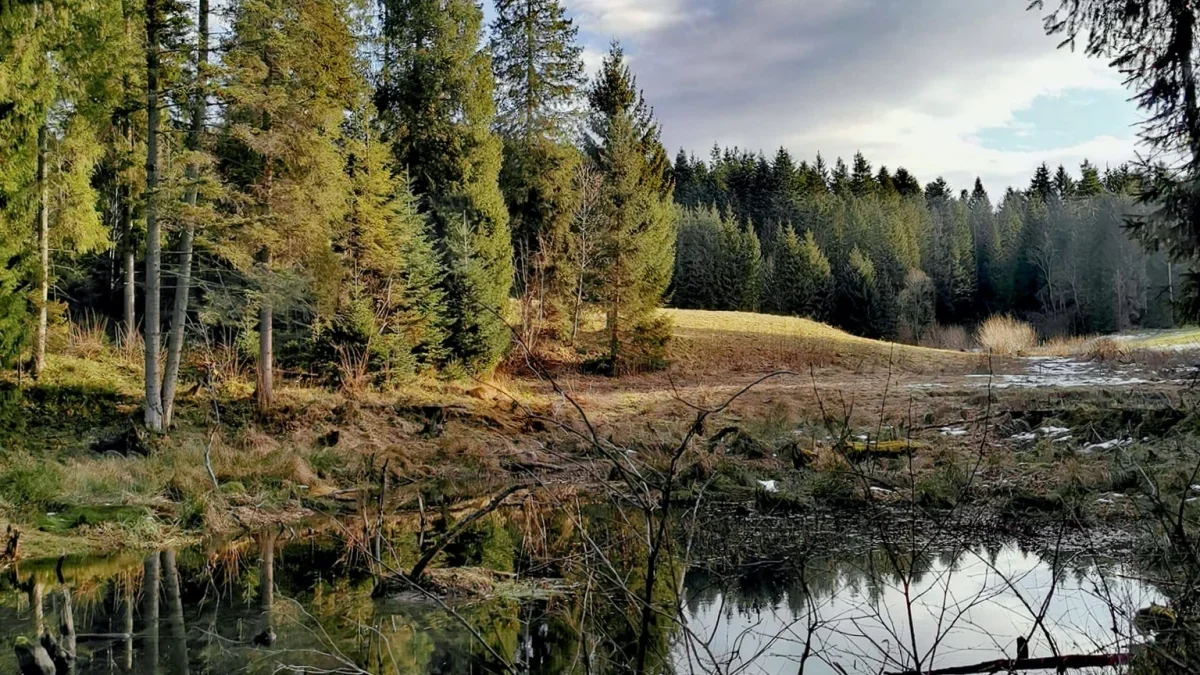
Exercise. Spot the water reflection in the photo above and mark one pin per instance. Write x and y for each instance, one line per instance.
(279, 603)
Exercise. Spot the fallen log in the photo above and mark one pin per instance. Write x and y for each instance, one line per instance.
(1059, 663)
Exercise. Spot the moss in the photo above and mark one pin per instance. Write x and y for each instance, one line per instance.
(61, 522)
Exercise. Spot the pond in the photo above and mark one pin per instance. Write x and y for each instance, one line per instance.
(286, 602)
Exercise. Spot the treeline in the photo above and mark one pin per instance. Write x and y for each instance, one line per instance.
(882, 256)
(332, 187)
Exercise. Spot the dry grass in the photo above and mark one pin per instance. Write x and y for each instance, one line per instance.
(714, 343)
(1106, 349)
(952, 337)
(1006, 336)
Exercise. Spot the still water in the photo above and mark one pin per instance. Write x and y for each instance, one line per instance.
(282, 603)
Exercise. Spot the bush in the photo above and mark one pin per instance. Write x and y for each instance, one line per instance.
(1006, 336)
(1106, 349)
(29, 484)
(952, 337)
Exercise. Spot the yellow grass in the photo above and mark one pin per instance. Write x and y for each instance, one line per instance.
(746, 342)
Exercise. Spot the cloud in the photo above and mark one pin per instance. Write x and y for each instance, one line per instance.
(908, 82)
(628, 17)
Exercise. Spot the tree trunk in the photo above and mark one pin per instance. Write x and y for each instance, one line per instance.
(265, 393)
(148, 661)
(183, 281)
(177, 630)
(43, 242)
(152, 320)
(129, 270)
(66, 633)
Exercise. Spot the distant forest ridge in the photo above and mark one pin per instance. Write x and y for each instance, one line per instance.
(880, 255)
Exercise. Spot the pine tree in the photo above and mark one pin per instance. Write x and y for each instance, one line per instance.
(54, 68)
(435, 99)
(637, 247)
(906, 184)
(391, 304)
(1064, 184)
(983, 230)
(292, 72)
(539, 75)
(1042, 185)
(1090, 184)
(798, 276)
(862, 180)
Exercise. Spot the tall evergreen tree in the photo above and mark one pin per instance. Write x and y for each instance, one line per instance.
(983, 230)
(391, 302)
(539, 77)
(862, 180)
(638, 245)
(291, 74)
(435, 99)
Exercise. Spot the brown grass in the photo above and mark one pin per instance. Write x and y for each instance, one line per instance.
(953, 337)
(1006, 336)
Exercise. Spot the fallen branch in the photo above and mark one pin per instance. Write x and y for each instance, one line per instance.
(1059, 663)
(458, 529)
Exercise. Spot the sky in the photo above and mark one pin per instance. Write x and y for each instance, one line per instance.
(956, 88)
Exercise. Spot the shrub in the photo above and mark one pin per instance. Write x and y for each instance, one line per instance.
(1105, 349)
(1006, 336)
(941, 336)
(30, 484)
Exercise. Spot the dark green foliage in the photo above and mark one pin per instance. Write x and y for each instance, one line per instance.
(637, 244)
(435, 99)
(718, 264)
(1064, 264)
(539, 76)
(798, 276)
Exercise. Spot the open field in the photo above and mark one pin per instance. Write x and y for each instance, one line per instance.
(1066, 429)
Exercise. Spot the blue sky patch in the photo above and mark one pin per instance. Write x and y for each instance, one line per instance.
(1065, 120)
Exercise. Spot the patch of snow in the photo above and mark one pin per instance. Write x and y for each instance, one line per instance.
(880, 491)
(1053, 431)
(953, 431)
(768, 486)
(1107, 445)
(1061, 439)
(1055, 371)
(1025, 437)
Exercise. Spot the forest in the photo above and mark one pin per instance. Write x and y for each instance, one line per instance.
(881, 256)
(340, 189)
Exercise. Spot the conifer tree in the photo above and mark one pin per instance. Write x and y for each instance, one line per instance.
(56, 64)
(292, 72)
(1089, 184)
(862, 180)
(798, 276)
(435, 99)
(539, 77)
(391, 304)
(983, 230)
(906, 184)
(638, 245)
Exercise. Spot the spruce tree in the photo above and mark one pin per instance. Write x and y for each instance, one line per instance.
(862, 180)
(391, 304)
(983, 229)
(56, 66)
(798, 276)
(435, 99)
(292, 72)
(539, 76)
(1089, 184)
(637, 247)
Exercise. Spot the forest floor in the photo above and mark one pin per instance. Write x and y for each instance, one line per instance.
(1071, 429)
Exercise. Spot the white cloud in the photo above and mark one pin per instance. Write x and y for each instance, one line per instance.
(627, 17)
(910, 83)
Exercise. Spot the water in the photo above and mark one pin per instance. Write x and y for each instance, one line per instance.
(846, 603)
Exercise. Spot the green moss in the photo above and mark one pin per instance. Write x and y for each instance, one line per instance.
(61, 522)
